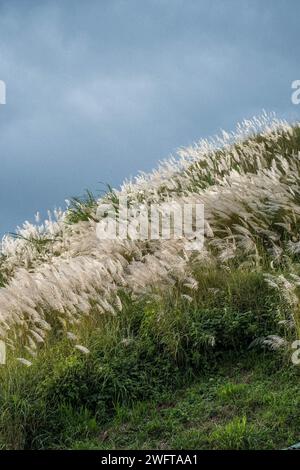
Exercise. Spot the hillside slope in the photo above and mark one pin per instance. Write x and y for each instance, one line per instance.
(91, 325)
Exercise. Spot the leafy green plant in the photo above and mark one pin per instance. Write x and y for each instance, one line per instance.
(82, 209)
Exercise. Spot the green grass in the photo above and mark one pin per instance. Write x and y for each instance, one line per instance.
(82, 209)
(249, 402)
(146, 355)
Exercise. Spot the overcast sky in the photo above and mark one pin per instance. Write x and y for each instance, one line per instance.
(98, 90)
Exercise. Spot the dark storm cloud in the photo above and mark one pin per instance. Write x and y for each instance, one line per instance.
(98, 90)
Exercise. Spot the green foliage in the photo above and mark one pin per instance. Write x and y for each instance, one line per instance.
(82, 209)
(3, 274)
(227, 312)
(245, 402)
(151, 347)
(234, 435)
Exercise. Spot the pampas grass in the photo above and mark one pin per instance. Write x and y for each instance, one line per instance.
(56, 274)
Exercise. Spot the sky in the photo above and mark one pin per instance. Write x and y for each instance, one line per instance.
(98, 90)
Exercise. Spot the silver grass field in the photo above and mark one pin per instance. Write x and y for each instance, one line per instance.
(72, 306)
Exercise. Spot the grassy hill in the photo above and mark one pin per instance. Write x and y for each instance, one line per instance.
(143, 343)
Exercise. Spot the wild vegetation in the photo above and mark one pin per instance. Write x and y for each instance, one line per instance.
(96, 329)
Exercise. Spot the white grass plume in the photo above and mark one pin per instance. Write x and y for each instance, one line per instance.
(57, 273)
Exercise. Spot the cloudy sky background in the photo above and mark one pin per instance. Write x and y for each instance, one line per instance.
(98, 90)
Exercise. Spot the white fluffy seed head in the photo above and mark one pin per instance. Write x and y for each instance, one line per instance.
(57, 273)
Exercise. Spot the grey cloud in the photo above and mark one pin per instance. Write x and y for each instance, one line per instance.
(99, 90)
